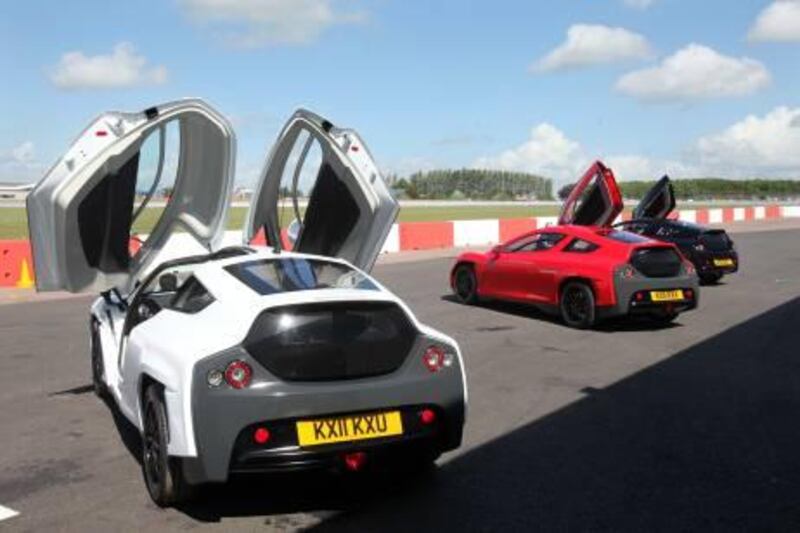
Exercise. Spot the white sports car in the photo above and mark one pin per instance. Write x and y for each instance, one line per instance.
(243, 358)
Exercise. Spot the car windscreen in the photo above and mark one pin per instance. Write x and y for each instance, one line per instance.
(271, 276)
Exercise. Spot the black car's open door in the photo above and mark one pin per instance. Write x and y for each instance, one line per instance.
(658, 202)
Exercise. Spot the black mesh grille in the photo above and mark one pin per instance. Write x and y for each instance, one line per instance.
(657, 262)
(331, 341)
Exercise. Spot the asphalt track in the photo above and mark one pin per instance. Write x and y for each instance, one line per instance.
(627, 428)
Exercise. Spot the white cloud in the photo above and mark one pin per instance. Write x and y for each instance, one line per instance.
(123, 67)
(756, 145)
(24, 153)
(253, 23)
(406, 166)
(591, 44)
(765, 146)
(551, 153)
(695, 72)
(638, 4)
(779, 21)
(19, 163)
(548, 152)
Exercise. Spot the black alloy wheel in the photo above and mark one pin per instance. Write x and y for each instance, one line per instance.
(577, 305)
(98, 368)
(163, 474)
(465, 284)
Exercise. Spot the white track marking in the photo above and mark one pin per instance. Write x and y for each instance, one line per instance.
(6, 513)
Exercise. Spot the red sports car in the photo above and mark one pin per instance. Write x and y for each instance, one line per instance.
(582, 267)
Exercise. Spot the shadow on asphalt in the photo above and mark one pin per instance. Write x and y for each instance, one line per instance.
(708, 439)
(74, 391)
(609, 325)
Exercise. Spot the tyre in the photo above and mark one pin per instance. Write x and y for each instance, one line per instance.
(163, 474)
(710, 278)
(577, 305)
(98, 367)
(465, 284)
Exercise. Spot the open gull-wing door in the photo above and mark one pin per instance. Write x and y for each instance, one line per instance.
(595, 200)
(658, 202)
(166, 169)
(321, 187)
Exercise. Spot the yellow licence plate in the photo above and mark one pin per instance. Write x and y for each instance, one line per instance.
(666, 296)
(723, 262)
(349, 428)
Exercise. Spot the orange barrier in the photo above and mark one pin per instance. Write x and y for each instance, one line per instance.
(426, 235)
(16, 265)
(260, 239)
(701, 216)
(512, 227)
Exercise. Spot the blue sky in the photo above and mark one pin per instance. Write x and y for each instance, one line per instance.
(692, 88)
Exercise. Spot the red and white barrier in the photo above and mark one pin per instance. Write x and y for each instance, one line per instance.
(16, 266)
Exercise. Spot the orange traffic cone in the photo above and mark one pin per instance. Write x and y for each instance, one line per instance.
(25, 279)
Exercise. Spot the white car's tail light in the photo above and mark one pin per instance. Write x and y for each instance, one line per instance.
(215, 378)
(238, 374)
(436, 358)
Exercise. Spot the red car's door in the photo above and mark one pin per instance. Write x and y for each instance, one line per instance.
(521, 269)
(545, 261)
(506, 269)
(595, 200)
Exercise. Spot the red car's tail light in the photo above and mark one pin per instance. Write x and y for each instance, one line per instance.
(238, 374)
(436, 358)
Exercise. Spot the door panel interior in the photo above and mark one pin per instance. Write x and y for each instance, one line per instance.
(84, 213)
(321, 181)
(595, 200)
(658, 202)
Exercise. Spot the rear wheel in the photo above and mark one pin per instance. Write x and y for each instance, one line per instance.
(465, 284)
(163, 474)
(710, 278)
(98, 367)
(577, 305)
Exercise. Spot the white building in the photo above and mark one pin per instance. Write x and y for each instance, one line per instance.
(15, 191)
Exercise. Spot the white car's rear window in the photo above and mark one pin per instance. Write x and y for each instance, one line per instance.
(271, 276)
